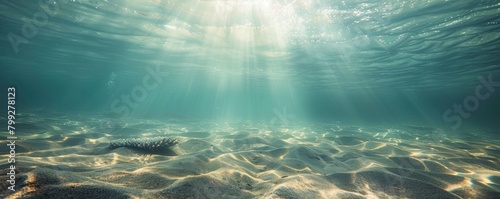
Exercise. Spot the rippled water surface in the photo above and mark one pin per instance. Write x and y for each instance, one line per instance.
(319, 44)
(272, 93)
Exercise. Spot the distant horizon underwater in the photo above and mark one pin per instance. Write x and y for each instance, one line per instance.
(250, 99)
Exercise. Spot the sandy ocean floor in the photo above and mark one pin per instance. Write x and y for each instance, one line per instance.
(68, 157)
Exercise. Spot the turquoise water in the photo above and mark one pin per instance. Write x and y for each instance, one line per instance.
(378, 61)
(430, 66)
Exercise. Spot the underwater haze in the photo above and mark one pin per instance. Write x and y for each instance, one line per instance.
(250, 99)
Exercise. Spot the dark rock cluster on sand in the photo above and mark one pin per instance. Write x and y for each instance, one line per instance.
(148, 144)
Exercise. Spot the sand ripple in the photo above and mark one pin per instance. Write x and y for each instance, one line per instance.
(255, 162)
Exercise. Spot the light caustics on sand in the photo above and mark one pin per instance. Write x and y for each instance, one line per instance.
(271, 48)
(319, 161)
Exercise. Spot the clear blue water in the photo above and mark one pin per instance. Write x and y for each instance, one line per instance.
(433, 64)
(362, 61)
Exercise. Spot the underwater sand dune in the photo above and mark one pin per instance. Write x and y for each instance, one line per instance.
(62, 159)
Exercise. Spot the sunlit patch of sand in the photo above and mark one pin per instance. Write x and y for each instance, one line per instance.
(320, 161)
